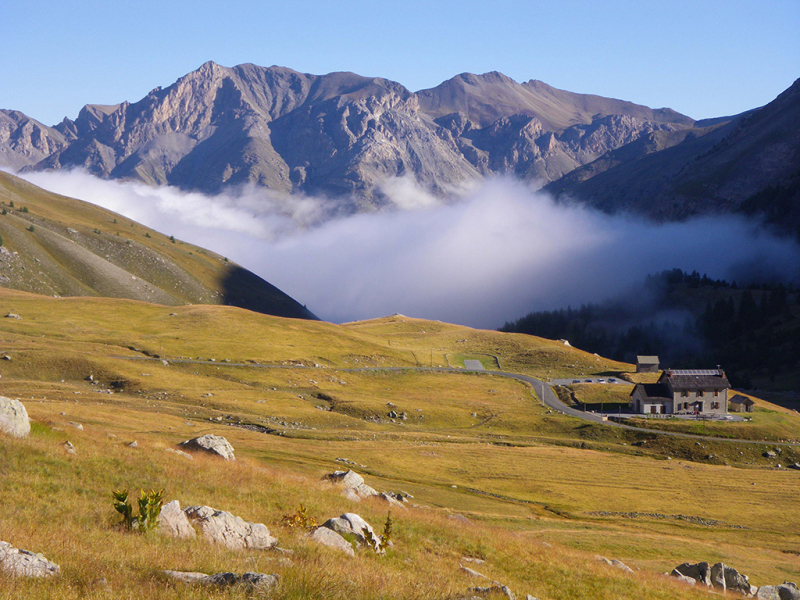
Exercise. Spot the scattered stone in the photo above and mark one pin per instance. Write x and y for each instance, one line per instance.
(254, 581)
(616, 563)
(494, 589)
(173, 521)
(6, 357)
(769, 454)
(77, 426)
(90, 378)
(69, 447)
(700, 572)
(393, 499)
(180, 453)
(133, 444)
(328, 537)
(13, 316)
(683, 578)
(460, 518)
(471, 572)
(786, 591)
(213, 444)
(352, 483)
(230, 531)
(14, 418)
(22, 563)
(795, 466)
(470, 559)
(352, 524)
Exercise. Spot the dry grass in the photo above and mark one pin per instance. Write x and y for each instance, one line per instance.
(475, 445)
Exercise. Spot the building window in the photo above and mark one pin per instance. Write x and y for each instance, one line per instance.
(716, 392)
(714, 405)
(700, 394)
(684, 394)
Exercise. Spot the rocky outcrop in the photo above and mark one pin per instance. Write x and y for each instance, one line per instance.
(173, 522)
(785, 591)
(228, 530)
(352, 484)
(328, 537)
(22, 563)
(350, 524)
(213, 444)
(14, 418)
(700, 572)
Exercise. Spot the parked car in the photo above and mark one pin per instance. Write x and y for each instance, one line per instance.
(612, 380)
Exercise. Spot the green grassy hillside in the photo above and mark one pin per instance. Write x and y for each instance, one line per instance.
(542, 493)
(54, 245)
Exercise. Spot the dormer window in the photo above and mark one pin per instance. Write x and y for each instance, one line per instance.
(700, 394)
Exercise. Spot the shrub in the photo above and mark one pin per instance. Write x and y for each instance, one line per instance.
(147, 234)
(149, 508)
(300, 519)
(31, 228)
(24, 209)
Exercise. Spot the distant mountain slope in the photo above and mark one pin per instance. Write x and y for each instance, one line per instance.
(750, 164)
(54, 245)
(342, 134)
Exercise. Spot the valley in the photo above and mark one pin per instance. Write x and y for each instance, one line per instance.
(493, 472)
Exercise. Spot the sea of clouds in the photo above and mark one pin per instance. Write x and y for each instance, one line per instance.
(486, 255)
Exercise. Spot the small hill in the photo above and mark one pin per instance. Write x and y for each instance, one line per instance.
(60, 246)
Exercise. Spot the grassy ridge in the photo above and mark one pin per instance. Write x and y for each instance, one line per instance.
(543, 492)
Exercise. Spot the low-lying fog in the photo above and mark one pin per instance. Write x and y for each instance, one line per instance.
(486, 256)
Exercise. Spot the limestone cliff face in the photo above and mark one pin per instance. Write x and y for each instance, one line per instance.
(25, 141)
(340, 134)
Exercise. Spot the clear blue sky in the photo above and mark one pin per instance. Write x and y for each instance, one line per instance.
(704, 58)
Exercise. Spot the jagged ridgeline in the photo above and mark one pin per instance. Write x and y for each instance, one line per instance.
(54, 245)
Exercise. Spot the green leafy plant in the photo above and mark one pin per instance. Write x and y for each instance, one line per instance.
(149, 508)
(172, 239)
(386, 536)
(301, 518)
(24, 209)
(31, 228)
(5, 212)
(147, 234)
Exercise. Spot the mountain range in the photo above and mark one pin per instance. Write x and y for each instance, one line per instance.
(342, 136)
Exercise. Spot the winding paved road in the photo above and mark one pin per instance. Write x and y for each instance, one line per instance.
(542, 389)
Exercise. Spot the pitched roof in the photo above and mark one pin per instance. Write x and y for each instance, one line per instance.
(653, 391)
(694, 380)
(647, 360)
(739, 399)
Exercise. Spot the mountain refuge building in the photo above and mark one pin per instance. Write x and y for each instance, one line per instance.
(647, 364)
(683, 392)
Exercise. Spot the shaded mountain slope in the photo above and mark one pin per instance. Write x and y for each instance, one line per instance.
(54, 245)
(747, 164)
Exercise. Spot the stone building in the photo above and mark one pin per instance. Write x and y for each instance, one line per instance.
(698, 392)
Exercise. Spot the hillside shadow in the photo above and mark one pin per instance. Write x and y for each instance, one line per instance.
(245, 289)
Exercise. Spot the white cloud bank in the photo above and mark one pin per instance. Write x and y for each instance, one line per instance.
(494, 254)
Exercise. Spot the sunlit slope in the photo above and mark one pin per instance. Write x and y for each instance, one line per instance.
(299, 399)
(434, 343)
(55, 245)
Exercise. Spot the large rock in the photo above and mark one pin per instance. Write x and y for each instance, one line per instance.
(174, 522)
(214, 444)
(328, 537)
(682, 578)
(255, 581)
(22, 563)
(616, 563)
(785, 591)
(700, 572)
(718, 577)
(352, 483)
(350, 524)
(14, 418)
(735, 581)
(231, 531)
